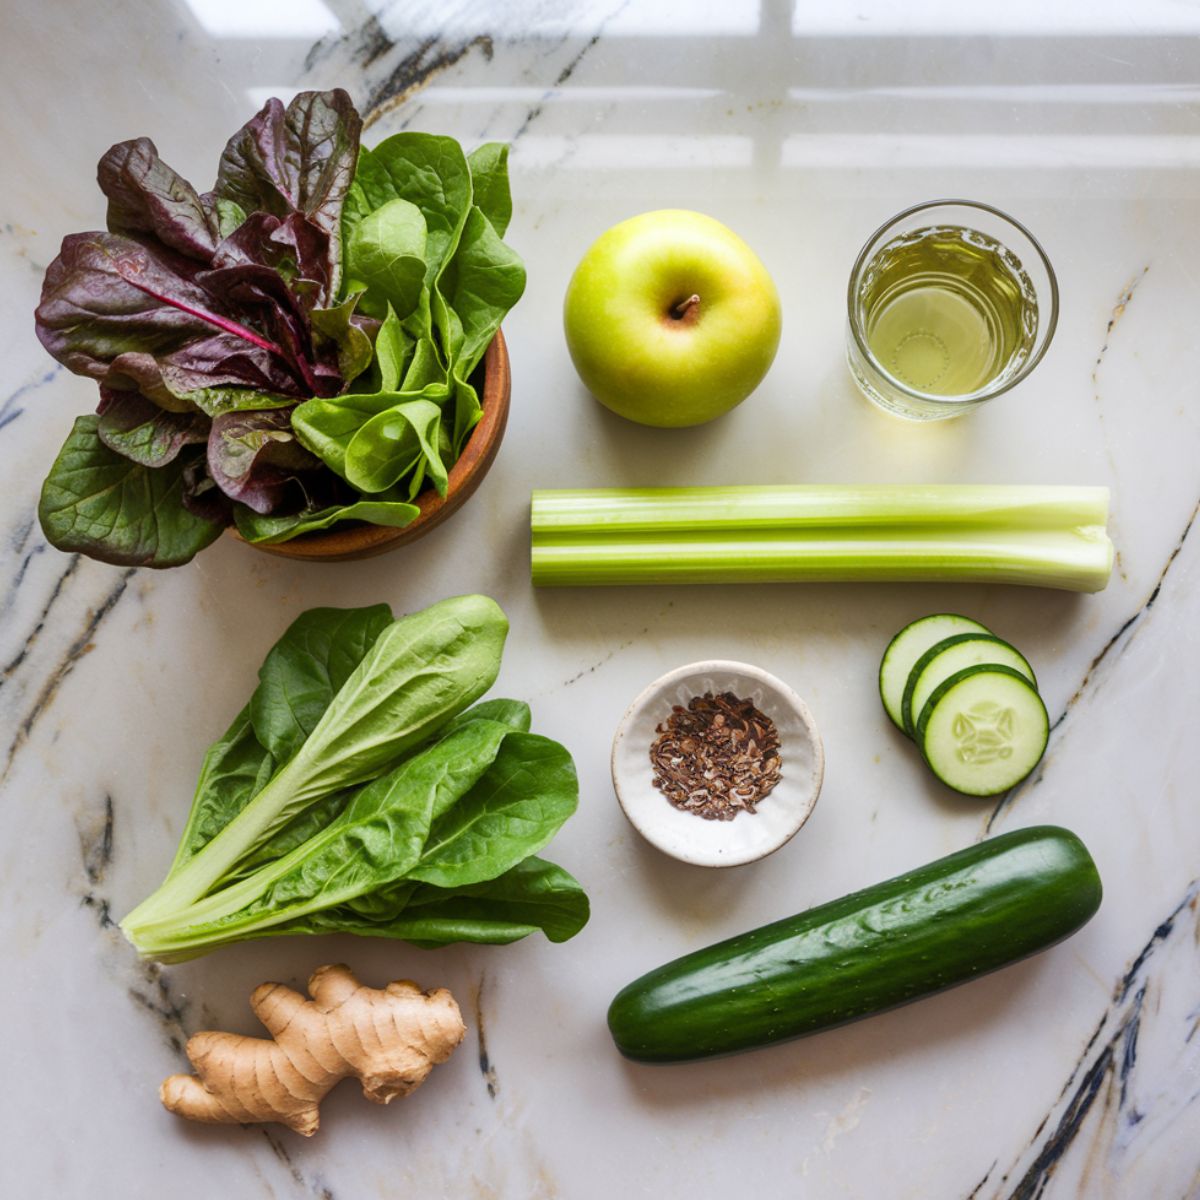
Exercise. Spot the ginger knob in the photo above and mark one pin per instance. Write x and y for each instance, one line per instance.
(388, 1038)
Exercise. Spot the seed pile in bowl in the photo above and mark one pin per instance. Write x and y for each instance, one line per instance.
(717, 757)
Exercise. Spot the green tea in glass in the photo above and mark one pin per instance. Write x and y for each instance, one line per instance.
(950, 304)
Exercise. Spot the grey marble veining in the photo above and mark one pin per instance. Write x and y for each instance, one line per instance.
(1072, 1075)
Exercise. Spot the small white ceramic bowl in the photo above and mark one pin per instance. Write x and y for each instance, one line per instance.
(749, 836)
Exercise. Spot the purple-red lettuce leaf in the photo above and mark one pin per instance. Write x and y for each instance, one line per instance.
(132, 426)
(189, 292)
(201, 496)
(98, 503)
(146, 198)
(261, 291)
(254, 457)
(329, 345)
(298, 159)
(295, 247)
(128, 313)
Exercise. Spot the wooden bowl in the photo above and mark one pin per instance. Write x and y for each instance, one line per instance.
(356, 540)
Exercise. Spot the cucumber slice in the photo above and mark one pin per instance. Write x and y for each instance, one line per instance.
(946, 658)
(904, 650)
(983, 730)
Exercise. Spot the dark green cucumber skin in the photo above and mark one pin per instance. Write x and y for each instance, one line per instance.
(943, 924)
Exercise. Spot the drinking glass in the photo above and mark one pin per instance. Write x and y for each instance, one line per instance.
(951, 303)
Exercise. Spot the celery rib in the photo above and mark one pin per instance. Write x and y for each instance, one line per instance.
(1038, 536)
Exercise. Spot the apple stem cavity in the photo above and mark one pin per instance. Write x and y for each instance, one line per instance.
(686, 310)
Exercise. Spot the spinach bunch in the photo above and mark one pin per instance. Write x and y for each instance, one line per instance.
(422, 228)
(293, 348)
(363, 790)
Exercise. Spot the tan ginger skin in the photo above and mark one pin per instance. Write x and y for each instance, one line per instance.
(389, 1038)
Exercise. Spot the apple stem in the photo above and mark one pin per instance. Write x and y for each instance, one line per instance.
(685, 308)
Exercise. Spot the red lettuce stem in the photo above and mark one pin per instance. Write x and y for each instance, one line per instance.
(220, 322)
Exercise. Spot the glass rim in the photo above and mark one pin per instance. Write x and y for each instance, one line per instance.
(984, 393)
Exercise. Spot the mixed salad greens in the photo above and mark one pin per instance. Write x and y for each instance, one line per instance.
(359, 792)
(293, 348)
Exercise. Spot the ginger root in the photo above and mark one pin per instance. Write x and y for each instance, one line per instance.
(389, 1038)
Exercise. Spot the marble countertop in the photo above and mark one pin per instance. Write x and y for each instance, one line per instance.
(1074, 1074)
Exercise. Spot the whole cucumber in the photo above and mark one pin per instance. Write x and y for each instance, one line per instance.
(940, 925)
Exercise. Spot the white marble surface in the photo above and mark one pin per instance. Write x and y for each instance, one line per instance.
(1072, 1075)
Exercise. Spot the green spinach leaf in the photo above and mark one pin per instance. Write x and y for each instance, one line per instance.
(432, 173)
(489, 183)
(270, 531)
(385, 825)
(513, 713)
(385, 256)
(422, 671)
(312, 659)
(394, 444)
(300, 829)
(465, 415)
(101, 504)
(377, 440)
(326, 427)
(426, 170)
(511, 813)
(371, 844)
(484, 280)
(426, 368)
(393, 347)
(354, 345)
(306, 668)
(236, 768)
(533, 895)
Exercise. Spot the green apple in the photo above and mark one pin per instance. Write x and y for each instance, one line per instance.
(671, 319)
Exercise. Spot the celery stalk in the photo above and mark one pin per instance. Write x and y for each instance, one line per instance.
(1040, 536)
